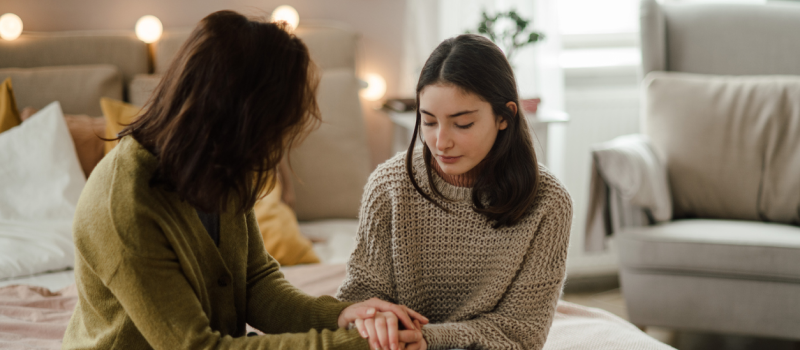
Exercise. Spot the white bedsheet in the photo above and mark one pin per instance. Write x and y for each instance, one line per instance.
(51, 280)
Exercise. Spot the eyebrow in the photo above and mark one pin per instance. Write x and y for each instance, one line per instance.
(451, 116)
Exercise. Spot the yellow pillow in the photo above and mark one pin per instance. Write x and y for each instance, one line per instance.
(9, 114)
(118, 115)
(280, 231)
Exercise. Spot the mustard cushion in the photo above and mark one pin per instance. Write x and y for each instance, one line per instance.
(9, 114)
(281, 234)
(118, 115)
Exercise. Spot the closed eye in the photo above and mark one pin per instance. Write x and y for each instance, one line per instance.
(465, 126)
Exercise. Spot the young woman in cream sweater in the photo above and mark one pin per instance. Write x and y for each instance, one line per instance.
(468, 230)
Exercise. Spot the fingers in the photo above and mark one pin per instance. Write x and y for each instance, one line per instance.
(416, 315)
(355, 311)
(374, 343)
(399, 311)
(366, 312)
(381, 331)
(362, 329)
(403, 313)
(391, 327)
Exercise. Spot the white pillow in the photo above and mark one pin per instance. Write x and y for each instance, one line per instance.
(40, 182)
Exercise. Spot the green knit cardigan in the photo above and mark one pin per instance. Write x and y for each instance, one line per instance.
(150, 277)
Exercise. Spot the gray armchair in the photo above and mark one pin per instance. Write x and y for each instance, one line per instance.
(721, 115)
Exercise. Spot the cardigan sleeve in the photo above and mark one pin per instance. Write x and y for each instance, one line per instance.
(369, 269)
(270, 296)
(523, 316)
(151, 286)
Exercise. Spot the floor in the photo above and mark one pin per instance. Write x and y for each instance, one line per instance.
(612, 300)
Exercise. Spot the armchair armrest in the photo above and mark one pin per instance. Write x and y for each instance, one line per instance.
(628, 188)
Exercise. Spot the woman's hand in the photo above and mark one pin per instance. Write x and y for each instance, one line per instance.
(382, 333)
(380, 321)
(368, 309)
(413, 340)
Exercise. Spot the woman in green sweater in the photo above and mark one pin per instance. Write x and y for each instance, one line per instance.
(468, 230)
(169, 254)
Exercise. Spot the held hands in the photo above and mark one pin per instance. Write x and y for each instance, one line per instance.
(381, 322)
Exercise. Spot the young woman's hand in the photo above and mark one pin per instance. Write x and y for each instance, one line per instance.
(380, 321)
(382, 333)
(368, 309)
(413, 340)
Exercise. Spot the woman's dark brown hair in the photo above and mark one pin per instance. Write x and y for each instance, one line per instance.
(505, 188)
(237, 95)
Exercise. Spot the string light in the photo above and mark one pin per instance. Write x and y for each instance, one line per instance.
(288, 14)
(376, 87)
(149, 29)
(10, 26)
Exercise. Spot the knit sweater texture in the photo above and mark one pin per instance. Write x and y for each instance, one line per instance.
(149, 276)
(481, 288)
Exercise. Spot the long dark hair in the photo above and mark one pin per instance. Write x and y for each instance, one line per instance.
(506, 186)
(237, 95)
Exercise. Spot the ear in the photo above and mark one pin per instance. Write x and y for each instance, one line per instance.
(503, 124)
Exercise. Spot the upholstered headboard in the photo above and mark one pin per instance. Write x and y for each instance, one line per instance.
(75, 68)
(121, 49)
(725, 39)
(332, 45)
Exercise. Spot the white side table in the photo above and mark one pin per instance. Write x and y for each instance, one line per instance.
(539, 124)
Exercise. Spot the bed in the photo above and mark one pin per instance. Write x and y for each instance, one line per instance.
(36, 299)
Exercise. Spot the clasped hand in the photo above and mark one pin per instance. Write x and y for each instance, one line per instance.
(385, 325)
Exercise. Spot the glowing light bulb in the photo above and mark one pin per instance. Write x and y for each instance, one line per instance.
(10, 26)
(288, 14)
(376, 87)
(149, 29)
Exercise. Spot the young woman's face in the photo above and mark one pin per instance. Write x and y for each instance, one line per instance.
(459, 128)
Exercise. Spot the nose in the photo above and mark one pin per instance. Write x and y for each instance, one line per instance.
(443, 139)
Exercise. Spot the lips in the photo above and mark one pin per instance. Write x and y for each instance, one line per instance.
(448, 160)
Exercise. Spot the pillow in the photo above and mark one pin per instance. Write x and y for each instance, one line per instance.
(730, 143)
(281, 234)
(77, 88)
(9, 114)
(41, 183)
(141, 87)
(118, 114)
(86, 132)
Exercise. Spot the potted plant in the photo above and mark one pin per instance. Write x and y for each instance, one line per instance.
(510, 32)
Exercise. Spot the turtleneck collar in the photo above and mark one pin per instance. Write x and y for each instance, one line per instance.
(449, 191)
(464, 180)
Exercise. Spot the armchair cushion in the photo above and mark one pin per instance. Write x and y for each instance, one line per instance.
(729, 142)
(716, 248)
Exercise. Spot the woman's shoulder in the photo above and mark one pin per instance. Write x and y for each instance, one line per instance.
(391, 173)
(123, 171)
(118, 184)
(551, 191)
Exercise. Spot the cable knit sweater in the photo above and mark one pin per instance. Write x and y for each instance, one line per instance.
(482, 288)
